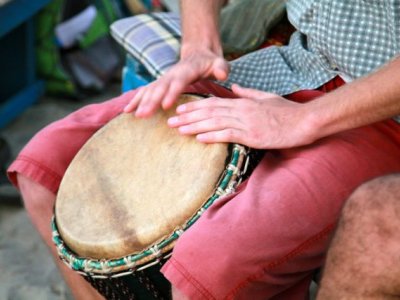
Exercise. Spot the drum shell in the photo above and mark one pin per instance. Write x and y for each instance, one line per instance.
(149, 284)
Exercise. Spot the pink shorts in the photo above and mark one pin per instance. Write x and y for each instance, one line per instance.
(266, 240)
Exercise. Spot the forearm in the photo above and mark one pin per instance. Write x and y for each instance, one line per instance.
(367, 100)
(200, 25)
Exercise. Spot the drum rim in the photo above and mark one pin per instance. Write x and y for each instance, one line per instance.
(230, 178)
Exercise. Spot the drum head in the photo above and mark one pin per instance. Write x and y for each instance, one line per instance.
(134, 182)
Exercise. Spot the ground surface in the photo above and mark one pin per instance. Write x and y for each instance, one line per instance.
(27, 271)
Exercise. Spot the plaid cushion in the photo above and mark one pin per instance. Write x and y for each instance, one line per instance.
(152, 39)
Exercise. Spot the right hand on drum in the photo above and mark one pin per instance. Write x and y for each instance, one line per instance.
(195, 64)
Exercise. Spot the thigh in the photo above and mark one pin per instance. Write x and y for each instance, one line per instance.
(357, 267)
(274, 231)
(47, 155)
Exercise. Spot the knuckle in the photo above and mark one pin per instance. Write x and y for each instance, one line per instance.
(183, 119)
(255, 137)
(214, 99)
(218, 122)
(230, 133)
(211, 111)
(242, 102)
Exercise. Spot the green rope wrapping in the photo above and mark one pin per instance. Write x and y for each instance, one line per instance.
(88, 266)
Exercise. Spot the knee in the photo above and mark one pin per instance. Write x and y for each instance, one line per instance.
(37, 199)
(377, 192)
(374, 199)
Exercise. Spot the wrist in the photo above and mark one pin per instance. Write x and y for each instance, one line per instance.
(190, 47)
(200, 22)
(312, 125)
(323, 116)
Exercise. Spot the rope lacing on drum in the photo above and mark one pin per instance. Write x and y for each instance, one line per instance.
(156, 251)
(231, 188)
(179, 232)
(234, 169)
(201, 211)
(104, 266)
(95, 276)
(87, 266)
(242, 150)
(130, 264)
(246, 166)
(122, 274)
(220, 191)
(158, 256)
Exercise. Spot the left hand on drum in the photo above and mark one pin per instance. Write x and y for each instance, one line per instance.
(194, 65)
(257, 119)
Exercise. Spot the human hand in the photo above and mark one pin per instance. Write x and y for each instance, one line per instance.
(193, 66)
(256, 119)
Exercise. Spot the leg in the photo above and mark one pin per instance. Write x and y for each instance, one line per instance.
(39, 167)
(266, 241)
(363, 260)
(177, 295)
(39, 204)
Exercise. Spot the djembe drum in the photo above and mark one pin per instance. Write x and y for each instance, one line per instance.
(128, 195)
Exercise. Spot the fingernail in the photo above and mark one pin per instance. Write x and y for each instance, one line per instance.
(181, 108)
(200, 137)
(127, 108)
(183, 129)
(139, 111)
(173, 120)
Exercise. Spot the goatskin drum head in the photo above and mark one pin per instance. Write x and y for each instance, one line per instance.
(134, 182)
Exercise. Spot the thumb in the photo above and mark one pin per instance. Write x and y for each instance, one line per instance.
(220, 69)
(249, 93)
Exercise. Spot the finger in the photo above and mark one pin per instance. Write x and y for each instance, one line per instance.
(204, 103)
(154, 96)
(228, 135)
(175, 89)
(220, 69)
(182, 76)
(199, 115)
(250, 93)
(132, 105)
(151, 99)
(207, 125)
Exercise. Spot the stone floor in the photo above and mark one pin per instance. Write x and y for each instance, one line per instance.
(27, 271)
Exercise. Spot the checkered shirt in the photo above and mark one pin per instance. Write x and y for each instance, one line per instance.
(334, 37)
(350, 38)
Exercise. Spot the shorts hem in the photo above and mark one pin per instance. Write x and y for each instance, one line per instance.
(180, 278)
(35, 171)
